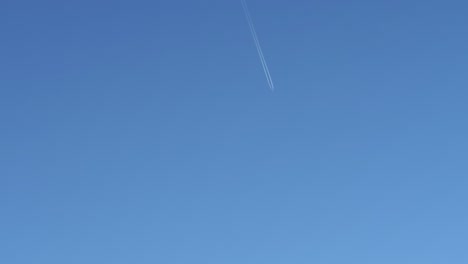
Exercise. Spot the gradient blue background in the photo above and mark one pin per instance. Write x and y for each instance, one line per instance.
(145, 132)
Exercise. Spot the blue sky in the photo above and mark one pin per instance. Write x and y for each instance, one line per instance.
(145, 132)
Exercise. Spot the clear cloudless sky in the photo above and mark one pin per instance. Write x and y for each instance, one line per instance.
(145, 132)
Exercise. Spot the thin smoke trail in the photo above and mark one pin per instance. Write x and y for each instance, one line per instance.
(257, 45)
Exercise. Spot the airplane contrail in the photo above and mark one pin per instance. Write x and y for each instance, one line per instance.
(257, 45)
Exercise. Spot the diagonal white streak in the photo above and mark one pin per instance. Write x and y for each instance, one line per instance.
(257, 45)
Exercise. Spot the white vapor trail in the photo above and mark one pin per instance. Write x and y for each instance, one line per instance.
(257, 45)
